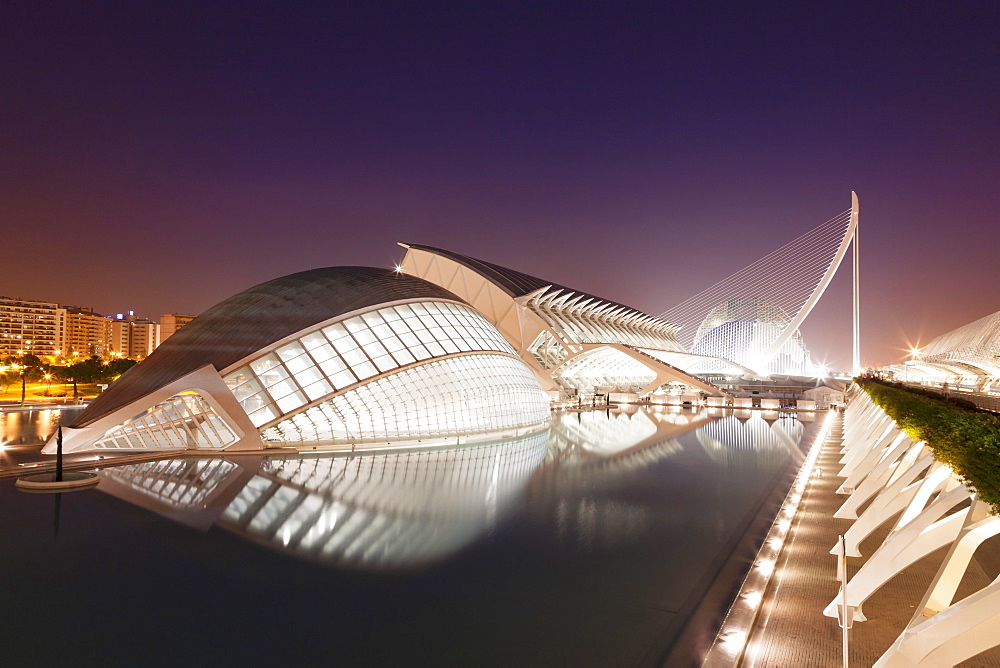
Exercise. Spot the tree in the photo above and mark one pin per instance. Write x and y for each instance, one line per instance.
(8, 378)
(87, 371)
(31, 369)
(119, 366)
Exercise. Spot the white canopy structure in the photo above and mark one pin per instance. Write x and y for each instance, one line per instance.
(334, 357)
(966, 356)
(574, 341)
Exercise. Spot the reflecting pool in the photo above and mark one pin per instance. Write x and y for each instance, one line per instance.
(612, 539)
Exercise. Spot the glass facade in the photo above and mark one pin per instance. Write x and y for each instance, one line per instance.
(183, 421)
(337, 356)
(334, 384)
(453, 396)
(743, 330)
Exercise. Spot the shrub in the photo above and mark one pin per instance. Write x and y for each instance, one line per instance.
(961, 435)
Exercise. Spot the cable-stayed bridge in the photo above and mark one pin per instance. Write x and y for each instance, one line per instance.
(752, 317)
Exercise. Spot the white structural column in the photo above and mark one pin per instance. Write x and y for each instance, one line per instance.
(858, 466)
(942, 633)
(965, 629)
(876, 481)
(979, 525)
(886, 505)
(856, 352)
(894, 475)
(857, 442)
(205, 381)
(930, 530)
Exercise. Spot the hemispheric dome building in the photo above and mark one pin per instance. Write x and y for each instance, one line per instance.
(320, 358)
(742, 330)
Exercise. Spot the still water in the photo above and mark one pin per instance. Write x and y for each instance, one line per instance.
(612, 539)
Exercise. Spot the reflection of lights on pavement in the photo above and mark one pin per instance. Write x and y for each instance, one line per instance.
(739, 622)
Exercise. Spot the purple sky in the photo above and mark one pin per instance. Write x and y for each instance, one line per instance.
(162, 157)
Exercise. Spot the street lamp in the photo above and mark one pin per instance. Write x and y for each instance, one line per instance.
(24, 382)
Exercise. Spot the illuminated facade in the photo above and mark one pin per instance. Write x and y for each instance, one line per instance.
(336, 357)
(967, 356)
(134, 338)
(752, 317)
(744, 331)
(573, 341)
(85, 333)
(29, 327)
(391, 510)
(409, 508)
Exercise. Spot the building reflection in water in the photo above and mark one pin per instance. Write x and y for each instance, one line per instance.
(595, 454)
(759, 437)
(388, 510)
(376, 511)
(407, 509)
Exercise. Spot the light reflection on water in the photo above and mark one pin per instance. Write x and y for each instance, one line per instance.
(30, 427)
(385, 510)
(406, 509)
(611, 522)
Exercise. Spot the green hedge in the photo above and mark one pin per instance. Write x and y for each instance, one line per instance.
(961, 436)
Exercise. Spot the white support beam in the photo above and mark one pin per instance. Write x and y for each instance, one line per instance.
(876, 480)
(926, 533)
(950, 637)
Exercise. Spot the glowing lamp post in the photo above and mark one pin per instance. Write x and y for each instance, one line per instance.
(24, 378)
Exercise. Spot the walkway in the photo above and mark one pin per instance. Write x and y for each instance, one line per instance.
(791, 629)
(987, 402)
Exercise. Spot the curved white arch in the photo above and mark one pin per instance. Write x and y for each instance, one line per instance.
(800, 317)
(793, 277)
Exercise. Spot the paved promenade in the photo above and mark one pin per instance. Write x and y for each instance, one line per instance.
(791, 630)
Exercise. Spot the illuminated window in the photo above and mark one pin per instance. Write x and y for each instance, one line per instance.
(334, 357)
(454, 396)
